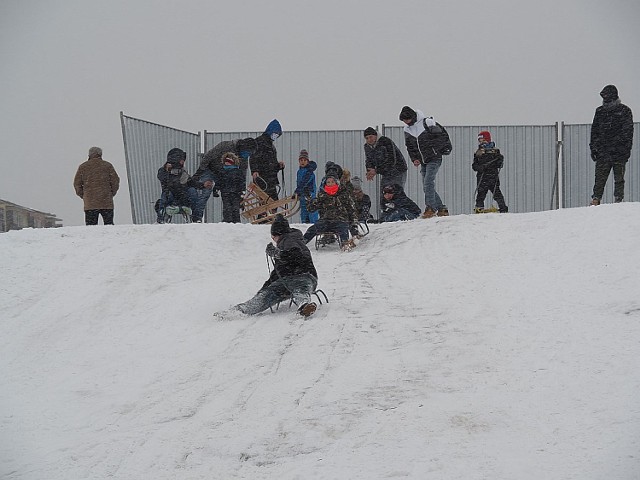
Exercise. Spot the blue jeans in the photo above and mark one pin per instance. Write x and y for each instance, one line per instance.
(298, 287)
(201, 197)
(431, 197)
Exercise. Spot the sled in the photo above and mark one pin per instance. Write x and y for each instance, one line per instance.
(171, 210)
(259, 208)
(327, 238)
(491, 209)
(317, 294)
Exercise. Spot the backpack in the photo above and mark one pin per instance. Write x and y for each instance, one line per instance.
(438, 138)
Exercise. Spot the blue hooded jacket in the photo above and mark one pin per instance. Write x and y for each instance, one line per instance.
(273, 127)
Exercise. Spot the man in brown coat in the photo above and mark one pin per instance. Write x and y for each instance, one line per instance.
(96, 183)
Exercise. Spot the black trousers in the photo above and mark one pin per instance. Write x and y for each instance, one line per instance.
(489, 181)
(603, 169)
(91, 216)
(231, 207)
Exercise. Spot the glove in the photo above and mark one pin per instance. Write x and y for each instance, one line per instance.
(594, 155)
(271, 250)
(388, 206)
(215, 192)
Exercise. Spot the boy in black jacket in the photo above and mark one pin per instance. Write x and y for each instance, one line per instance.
(487, 162)
(293, 276)
(178, 188)
(395, 205)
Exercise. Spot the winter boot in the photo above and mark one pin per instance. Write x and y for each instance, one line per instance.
(307, 309)
(618, 200)
(478, 210)
(443, 212)
(428, 213)
(504, 209)
(348, 245)
(595, 201)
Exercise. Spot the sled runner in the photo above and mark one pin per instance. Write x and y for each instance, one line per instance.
(258, 207)
(317, 294)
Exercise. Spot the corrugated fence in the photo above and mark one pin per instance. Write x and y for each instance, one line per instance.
(541, 171)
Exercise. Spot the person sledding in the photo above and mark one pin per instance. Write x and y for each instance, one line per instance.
(293, 277)
(487, 162)
(336, 208)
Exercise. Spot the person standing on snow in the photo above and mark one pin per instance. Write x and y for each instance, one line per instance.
(96, 183)
(264, 163)
(426, 142)
(211, 166)
(487, 162)
(293, 276)
(306, 186)
(384, 158)
(611, 141)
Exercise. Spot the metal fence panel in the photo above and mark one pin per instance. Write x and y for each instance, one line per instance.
(579, 170)
(145, 146)
(527, 179)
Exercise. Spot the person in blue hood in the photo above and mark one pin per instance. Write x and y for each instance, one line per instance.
(264, 162)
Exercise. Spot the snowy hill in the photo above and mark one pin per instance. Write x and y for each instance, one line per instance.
(469, 347)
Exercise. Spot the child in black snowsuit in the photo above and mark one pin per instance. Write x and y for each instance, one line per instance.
(396, 206)
(487, 162)
(232, 183)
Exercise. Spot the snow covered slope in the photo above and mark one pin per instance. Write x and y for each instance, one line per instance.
(468, 347)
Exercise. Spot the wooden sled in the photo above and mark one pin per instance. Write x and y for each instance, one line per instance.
(258, 207)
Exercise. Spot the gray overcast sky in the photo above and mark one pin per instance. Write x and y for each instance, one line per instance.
(68, 67)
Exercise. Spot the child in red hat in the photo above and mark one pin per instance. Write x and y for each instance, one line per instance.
(487, 162)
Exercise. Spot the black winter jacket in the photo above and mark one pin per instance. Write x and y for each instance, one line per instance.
(232, 180)
(612, 133)
(292, 258)
(487, 160)
(212, 160)
(427, 145)
(385, 157)
(265, 160)
(177, 181)
(400, 201)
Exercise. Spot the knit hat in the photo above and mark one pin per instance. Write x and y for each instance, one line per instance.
(484, 136)
(357, 183)
(609, 93)
(333, 169)
(95, 152)
(408, 113)
(280, 225)
(175, 155)
(303, 154)
(370, 131)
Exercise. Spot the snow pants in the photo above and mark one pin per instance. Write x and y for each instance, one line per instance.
(298, 287)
